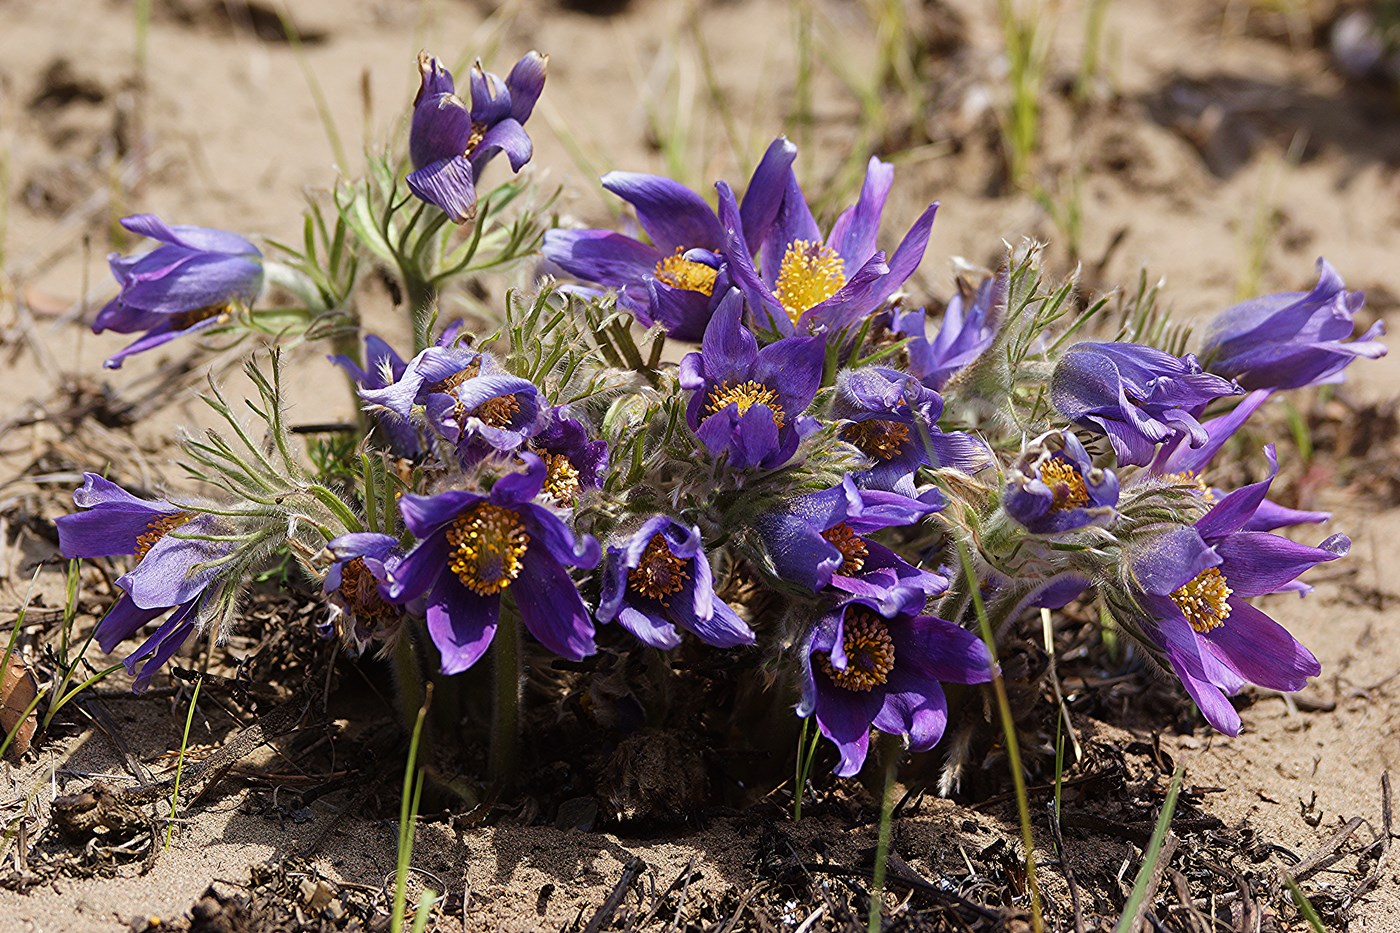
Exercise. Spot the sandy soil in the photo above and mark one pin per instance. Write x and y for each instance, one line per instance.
(1211, 126)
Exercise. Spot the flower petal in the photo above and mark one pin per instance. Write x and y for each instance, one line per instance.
(671, 214)
(551, 608)
(448, 183)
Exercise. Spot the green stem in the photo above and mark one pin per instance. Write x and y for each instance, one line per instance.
(505, 713)
(408, 678)
(890, 749)
(422, 304)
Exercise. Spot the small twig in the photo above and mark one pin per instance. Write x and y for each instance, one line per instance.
(630, 872)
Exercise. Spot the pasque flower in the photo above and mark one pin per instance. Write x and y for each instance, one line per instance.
(659, 578)
(168, 575)
(806, 283)
(450, 142)
(473, 547)
(863, 667)
(573, 461)
(435, 371)
(1138, 395)
(490, 413)
(1054, 486)
(1291, 339)
(678, 278)
(191, 282)
(1195, 583)
(969, 324)
(384, 368)
(748, 403)
(358, 586)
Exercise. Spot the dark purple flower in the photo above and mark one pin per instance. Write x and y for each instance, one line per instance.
(746, 402)
(816, 540)
(659, 578)
(167, 576)
(969, 325)
(1291, 339)
(450, 142)
(806, 284)
(862, 668)
(486, 414)
(573, 462)
(358, 587)
(1195, 582)
(473, 547)
(1139, 396)
(1055, 487)
(892, 418)
(191, 282)
(677, 280)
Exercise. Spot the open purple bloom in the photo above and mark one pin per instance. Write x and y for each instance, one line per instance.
(165, 577)
(863, 668)
(1291, 339)
(659, 578)
(435, 371)
(451, 142)
(358, 587)
(573, 462)
(892, 418)
(968, 327)
(383, 368)
(808, 284)
(1138, 395)
(816, 540)
(486, 414)
(1195, 582)
(677, 280)
(746, 402)
(472, 548)
(1055, 487)
(191, 282)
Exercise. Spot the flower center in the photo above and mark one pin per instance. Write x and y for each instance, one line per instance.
(360, 590)
(187, 319)
(851, 545)
(477, 134)
(1066, 484)
(487, 542)
(869, 653)
(660, 574)
(687, 274)
(1191, 478)
(877, 438)
(810, 273)
(498, 412)
(746, 395)
(470, 371)
(561, 479)
(158, 528)
(1204, 600)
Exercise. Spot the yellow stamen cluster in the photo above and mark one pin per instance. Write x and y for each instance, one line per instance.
(1191, 478)
(471, 371)
(851, 545)
(1204, 600)
(810, 273)
(360, 590)
(1066, 484)
(746, 395)
(187, 319)
(498, 412)
(660, 574)
(477, 134)
(158, 528)
(869, 653)
(679, 272)
(561, 478)
(488, 543)
(878, 438)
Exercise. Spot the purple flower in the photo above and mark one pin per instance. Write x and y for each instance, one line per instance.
(486, 414)
(191, 282)
(815, 541)
(450, 142)
(807, 284)
(1291, 339)
(1195, 582)
(892, 418)
(659, 578)
(358, 587)
(474, 547)
(1055, 487)
(573, 462)
(968, 328)
(435, 371)
(167, 575)
(677, 280)
(1139, 396)
(862, 668)
(384, 367)
(747, 402)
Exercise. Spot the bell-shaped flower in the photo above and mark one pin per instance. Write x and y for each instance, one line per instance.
(358, 587)
(1054, 487)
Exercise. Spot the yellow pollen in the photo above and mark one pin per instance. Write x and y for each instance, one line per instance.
(878, 438)
(488, 543)
(499, 411)
(561, 479)
(158, 528)
(477, 134)
(1191, 478)
(869, 653)
(810, 273)
(360, 591)
(1204, 600)
(187, 319)
(471, 371)
(1066, 484)
(851, 545)
(660, 574)
(746, 395)
(684, 273)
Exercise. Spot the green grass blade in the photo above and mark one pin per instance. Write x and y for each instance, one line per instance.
(180, 764)
(1149, 859)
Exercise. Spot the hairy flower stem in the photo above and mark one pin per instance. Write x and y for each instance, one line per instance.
(889, 752)
(408, 679)
(505, 712)
(422, 304)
